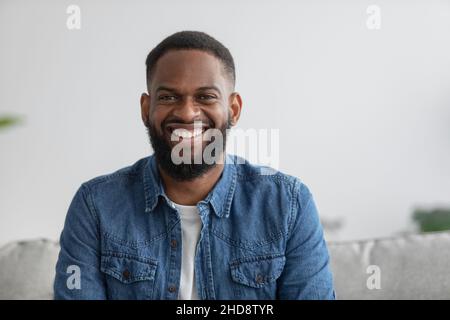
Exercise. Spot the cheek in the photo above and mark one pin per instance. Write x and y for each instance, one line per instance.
(156, 117)
(219, 115)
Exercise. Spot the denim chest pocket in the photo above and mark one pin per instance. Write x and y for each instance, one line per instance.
(255, 277)
(129, 276)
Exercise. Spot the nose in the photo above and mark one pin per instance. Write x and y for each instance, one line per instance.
(187, 110)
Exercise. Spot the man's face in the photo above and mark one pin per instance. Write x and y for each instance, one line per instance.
(189, 93)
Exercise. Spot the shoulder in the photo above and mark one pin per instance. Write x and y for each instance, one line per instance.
(118, 179)
(263, 178)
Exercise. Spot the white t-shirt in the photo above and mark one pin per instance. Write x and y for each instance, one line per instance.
(191, 225)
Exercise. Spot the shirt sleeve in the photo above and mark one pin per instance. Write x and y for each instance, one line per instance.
(307, 274)
(78, 274)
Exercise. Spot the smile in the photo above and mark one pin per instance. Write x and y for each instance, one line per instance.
(186, 134)
(186, 131)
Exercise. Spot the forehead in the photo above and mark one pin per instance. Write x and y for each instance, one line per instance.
(188, 69)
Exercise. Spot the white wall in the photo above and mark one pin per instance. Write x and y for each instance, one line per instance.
(364, 115)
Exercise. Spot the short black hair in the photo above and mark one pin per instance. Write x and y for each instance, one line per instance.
(191, 40)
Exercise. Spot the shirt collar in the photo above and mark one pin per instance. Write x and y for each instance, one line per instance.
(220, 197)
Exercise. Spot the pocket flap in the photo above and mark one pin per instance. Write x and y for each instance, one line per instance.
(127, 268)
(257, 271)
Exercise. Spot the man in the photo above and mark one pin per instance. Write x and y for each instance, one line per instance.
(185, 223)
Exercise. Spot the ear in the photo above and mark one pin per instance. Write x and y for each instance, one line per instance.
(145, 108)
(235, 107)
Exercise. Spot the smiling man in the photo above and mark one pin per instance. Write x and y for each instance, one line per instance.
(191, 221)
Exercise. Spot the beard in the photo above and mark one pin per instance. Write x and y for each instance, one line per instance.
(181, 172)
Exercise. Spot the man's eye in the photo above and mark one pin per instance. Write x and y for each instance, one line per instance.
(205, 97)
(167, 98)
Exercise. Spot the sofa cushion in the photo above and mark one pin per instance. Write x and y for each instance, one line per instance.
(27, 269)
(409, 267)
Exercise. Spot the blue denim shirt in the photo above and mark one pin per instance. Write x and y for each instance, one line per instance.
(261, 239)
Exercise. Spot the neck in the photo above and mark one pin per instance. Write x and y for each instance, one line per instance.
(190, 192)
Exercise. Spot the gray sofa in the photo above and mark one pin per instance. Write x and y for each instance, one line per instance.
(405, 267)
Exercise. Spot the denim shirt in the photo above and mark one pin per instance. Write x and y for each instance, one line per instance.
(261, 238)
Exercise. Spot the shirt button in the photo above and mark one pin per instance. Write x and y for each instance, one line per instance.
(173, 243)
(259, 279)
(126, 274)
(172, 289)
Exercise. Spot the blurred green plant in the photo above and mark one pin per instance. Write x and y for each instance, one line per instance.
(436, 219)
(8, 121)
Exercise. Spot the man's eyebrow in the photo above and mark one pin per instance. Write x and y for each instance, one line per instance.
(209, 88)
(164, 88)
(204, 88)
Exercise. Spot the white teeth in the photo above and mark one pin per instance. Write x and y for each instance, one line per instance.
(186, 134)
